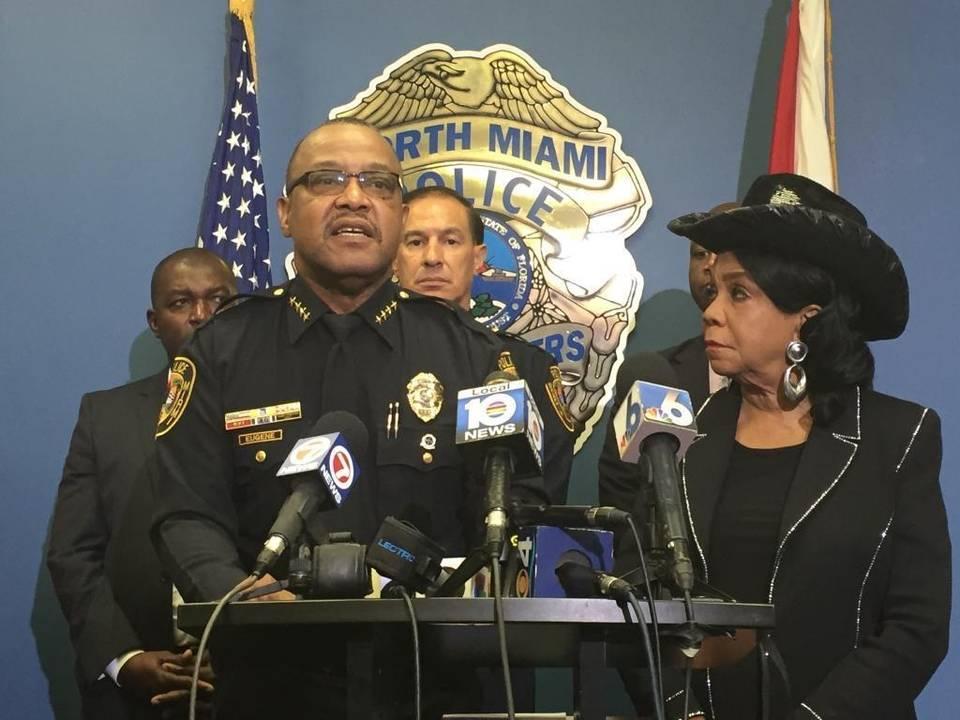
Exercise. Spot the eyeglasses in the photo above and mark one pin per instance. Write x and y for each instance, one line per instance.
(376, 183)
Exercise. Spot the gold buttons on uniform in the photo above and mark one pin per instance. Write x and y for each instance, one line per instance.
(404, 294)
(428, 457)
(278, 291)
(260, 456)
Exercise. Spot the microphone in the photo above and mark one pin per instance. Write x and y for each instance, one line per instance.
(656, 422)
(580, 581)
(500, 428)
(569, 516)
(408, 557)
(321, 465)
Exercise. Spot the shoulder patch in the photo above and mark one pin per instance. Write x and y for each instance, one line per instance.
(240, 298)
(468, 321)
(183, 376)
(554, 388)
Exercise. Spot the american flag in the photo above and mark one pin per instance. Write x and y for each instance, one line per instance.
(233, 222)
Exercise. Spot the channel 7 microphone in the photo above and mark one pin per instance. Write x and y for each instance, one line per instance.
(320, 465)
(656, 423)
(499, 428)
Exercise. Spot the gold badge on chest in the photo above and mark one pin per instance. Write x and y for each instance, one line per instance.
(425, 395)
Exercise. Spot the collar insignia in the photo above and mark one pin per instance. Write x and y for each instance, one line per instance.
(386, 311)
(299, 307)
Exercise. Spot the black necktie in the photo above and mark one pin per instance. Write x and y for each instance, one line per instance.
(341, 387)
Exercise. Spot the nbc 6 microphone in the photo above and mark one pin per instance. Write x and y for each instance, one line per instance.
(320, 465)
(656, 422)
(499, 428)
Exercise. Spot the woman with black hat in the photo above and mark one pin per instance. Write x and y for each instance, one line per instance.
(805, 488)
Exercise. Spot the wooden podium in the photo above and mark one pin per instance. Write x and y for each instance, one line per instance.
(584, 634)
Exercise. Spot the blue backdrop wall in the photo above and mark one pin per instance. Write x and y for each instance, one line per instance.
(108, 111)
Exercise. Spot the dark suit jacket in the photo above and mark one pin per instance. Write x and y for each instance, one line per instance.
(103, 567)
(861, 579)
(689, 361)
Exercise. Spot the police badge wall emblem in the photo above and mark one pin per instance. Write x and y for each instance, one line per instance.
(557, 194)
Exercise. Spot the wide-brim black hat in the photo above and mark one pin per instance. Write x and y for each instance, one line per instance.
(794, 217)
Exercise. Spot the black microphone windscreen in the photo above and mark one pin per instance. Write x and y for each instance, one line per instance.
(347, 423)
(577, 580)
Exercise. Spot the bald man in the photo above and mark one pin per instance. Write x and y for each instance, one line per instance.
(102, 564)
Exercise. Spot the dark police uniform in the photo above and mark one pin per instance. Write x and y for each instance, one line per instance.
(256, 378)
(261, 369)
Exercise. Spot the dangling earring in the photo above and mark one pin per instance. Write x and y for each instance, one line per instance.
(394, 279)
(795, 377)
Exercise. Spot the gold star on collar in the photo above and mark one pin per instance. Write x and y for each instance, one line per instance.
(299, 307)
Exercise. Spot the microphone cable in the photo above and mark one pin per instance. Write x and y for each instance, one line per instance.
(502, 634)
(648, 649)
(205, 637)
(416, 649)
(655, 670)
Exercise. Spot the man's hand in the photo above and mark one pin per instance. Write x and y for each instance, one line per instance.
(183, 667)
(278, 595)
(159, 673)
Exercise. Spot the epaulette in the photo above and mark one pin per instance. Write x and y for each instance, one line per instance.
(409, 296)
(240, 298)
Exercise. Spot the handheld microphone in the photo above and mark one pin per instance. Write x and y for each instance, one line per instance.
(581, 581)
(569, 516)
(321, 465)
(500, 428)
(656, 422)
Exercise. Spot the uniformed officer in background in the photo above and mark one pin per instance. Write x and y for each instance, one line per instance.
(340, 336)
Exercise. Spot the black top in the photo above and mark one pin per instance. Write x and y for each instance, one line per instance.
(746, 525)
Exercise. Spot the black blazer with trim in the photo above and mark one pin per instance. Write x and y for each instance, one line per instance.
(104, 569)
(861, 578)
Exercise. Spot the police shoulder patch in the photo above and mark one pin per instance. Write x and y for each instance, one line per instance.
(554, 388)
(183, 376)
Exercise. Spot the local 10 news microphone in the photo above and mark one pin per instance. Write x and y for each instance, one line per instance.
(655, 425)
(500, 430)
(322, 468)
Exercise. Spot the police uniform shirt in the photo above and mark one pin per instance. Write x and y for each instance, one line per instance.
(252, 381)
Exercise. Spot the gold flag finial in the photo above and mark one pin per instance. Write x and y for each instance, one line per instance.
(243, 9)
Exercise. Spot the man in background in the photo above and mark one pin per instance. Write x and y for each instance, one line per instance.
(104, 570)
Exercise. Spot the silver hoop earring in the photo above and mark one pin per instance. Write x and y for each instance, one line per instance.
(795, 377)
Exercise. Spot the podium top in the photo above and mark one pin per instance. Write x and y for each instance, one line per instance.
(516, 611)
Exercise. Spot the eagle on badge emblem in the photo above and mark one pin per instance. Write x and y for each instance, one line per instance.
(425, 395)
(501, 83)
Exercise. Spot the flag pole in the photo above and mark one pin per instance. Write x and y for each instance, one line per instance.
(831, 112)
(243, 9)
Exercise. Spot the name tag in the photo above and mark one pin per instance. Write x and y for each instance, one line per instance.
(264, 436)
